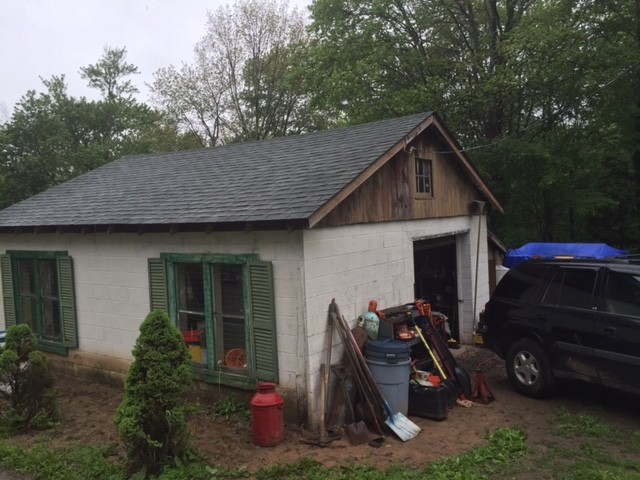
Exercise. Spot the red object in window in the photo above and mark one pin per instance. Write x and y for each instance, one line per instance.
(191, 336)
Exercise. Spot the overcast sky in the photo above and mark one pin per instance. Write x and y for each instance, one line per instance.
(41, 38)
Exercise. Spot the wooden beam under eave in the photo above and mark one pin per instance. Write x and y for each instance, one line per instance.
(141, 230)
(323, 211)
(174, 229)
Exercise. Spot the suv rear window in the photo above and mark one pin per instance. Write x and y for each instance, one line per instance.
(522, 282)
(623, 294)
(571, 288)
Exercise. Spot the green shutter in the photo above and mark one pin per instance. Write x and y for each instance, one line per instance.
(7, 291)
(67, 303)
(158, 284)
(263, 320)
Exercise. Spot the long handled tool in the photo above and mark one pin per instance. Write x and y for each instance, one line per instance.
(374, 416)
(433, 357)
(402, 426)
(458, 373)
(461, 376)
(324, 379)
(356, 430)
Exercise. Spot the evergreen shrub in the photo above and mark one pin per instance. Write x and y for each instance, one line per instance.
(152, 418)
(26, 382)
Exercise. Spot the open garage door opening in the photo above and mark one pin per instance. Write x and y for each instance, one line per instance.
(434, 262)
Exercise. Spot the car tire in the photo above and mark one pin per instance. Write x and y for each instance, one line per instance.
(528, 369)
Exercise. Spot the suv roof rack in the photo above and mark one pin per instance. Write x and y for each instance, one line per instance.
(631, 258)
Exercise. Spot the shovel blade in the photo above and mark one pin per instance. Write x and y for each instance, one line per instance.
(404, 428)
(358, 433)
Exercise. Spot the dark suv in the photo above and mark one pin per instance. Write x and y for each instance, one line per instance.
(567, 319)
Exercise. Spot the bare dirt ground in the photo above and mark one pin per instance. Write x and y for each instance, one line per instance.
(88, 409)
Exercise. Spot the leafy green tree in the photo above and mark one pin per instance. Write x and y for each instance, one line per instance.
(152, 418)
(109, 73)
(242, 84)
(26, 382)
(527, 86)
(53, 137)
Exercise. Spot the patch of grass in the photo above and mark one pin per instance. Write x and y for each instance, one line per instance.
(42, 462)
(580, 424)
(199, 471)
(633, 441)
(589, 449)
(556, 450)
(505, 447)
(589, 469)
(593, 452)
(303, 469)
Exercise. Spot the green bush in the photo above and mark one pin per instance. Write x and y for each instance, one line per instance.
(26, 382)
(152, 418)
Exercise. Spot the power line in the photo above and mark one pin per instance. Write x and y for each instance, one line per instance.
(610, 82)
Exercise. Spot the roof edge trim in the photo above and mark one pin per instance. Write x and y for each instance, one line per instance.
(348, 189)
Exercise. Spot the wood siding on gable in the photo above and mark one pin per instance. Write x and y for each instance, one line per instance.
(390, 193)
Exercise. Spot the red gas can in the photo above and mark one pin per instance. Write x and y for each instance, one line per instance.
(267, 416)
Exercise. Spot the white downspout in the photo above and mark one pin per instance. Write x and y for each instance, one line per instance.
(480, 206)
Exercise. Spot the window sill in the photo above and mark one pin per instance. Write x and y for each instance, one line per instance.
(51, 347)
(202, 373)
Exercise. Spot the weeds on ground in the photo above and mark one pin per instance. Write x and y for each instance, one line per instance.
(596, 451)
(574, 424)
(229, 407)
(506, 446)
(587, 448)
(42, 462)
(503, 448)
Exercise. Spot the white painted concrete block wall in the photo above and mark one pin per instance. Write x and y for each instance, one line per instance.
(112, 286)
(355, 264)
(352, 264)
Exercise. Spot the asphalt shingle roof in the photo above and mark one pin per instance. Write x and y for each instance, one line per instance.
(282, 179)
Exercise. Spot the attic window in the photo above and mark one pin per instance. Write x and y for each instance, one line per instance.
(424, 177)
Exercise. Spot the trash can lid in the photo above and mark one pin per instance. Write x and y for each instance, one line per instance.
(388, 346)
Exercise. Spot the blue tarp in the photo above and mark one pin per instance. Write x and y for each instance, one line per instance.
(551, 250)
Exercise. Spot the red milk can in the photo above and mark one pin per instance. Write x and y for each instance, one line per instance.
(267, 416)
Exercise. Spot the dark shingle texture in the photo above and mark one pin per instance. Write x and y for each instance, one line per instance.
(282, 179)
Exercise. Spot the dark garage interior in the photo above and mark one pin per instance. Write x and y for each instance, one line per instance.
(434, 262)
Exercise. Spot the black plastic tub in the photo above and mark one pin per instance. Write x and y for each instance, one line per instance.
(432, 402)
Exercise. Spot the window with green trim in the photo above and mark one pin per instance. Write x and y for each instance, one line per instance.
(38, 291)
(223, 305)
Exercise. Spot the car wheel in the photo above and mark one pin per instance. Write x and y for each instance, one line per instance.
(528, 369)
